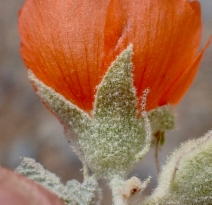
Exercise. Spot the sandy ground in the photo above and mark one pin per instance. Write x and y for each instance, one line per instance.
(27, 129)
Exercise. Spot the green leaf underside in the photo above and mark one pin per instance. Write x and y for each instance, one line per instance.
(37, 173)
(109, 140)
(73, 193)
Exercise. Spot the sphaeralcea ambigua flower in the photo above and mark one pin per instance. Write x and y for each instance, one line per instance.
(92, 60)
(69, 45)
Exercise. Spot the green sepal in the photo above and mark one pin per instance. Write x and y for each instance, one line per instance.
(117, 135)
(76, 122)
(69, 114)
(113, 138)
(161, 118)
(116, 97)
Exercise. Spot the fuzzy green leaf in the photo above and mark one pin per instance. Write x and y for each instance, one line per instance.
(37, 173)
(186, 179)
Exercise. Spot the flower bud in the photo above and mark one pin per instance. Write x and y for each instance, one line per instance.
(187, 176)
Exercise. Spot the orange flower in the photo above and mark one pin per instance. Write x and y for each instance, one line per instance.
(70, 44)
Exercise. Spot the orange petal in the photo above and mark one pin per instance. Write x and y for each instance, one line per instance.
(166, 37)
(18, 190)
(62, 44)
(70, 45)
(182, 84)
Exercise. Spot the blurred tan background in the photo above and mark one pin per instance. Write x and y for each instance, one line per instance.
(27, 129)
